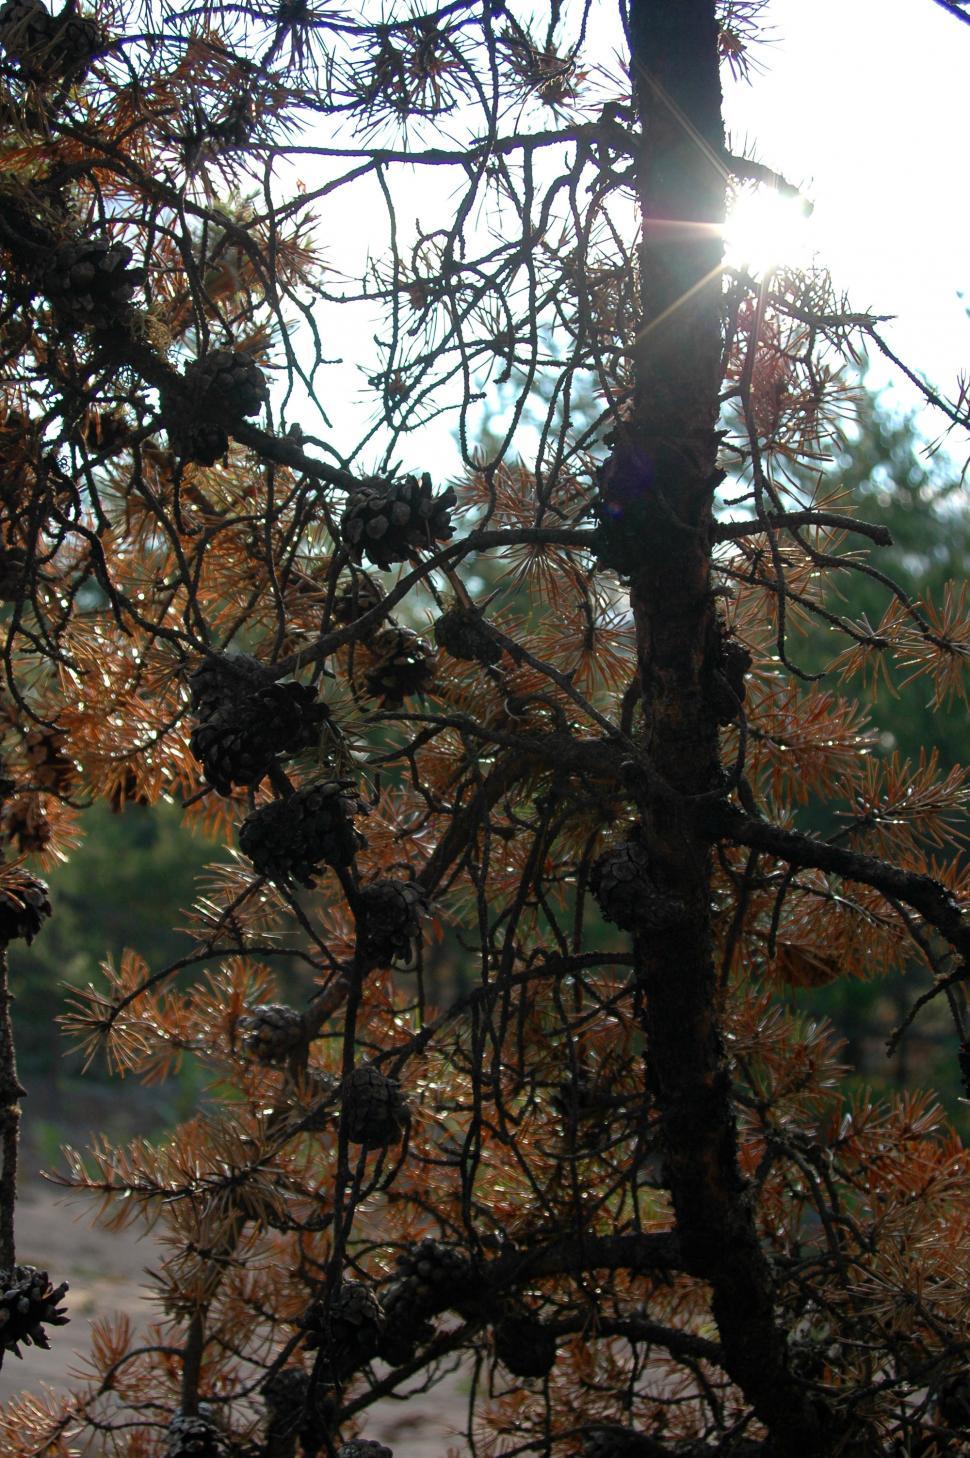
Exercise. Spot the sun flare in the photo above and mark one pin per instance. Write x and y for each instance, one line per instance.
(766, 229)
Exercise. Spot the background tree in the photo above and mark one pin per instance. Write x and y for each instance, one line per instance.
(614, 1171)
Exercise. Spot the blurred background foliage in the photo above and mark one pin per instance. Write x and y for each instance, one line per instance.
(135, 872)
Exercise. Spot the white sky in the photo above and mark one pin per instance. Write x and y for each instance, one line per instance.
(865, 103)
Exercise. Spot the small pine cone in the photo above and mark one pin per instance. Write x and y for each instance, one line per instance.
(462, 632)
(524, 1345)
(15, 574)
(373, 1108)
(28, 1303)
(626, 894)
(355, 597)
(364, 1448)
(193, 1437)
(240, 745)
(24, 907)
(271, 1032)
(90, 283)
(224, 681)
(403, 664)
(228, 380)
(50, 767)
(387, 521)
(291, 839)
(295, 1410)
(388, 928)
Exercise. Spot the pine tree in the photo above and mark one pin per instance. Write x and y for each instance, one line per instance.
(613, 1171)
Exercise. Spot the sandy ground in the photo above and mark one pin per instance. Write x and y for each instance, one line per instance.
(106, 1274)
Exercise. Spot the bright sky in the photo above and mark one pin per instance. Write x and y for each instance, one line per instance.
(864, 103)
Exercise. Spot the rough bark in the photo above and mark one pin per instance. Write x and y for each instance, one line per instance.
(659, 489)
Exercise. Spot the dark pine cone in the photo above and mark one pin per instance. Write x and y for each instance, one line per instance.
(221, 387)
(953, 1402)
(364, 1448)
(429, 1279)
(524, 1345)
(387, 521)
(24, 906)
(294, 1411)
(229, 380)
(77, 40)
(90, 283)
(403, 664)
(28, 1303)
(193, 1437)
(224, 681)
(387, 920)
(50, 767)
(355, 597)
(291, 839)
(239, 746)
(627, 896)
(352, 1327)
(463, 633)
(373, 1108)
(26, 32)
(271, 1031)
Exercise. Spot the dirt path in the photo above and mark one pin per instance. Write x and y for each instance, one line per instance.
(106, 1274)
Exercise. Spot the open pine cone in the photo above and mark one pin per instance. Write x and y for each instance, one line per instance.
(463, 632)
(402, 664)
(28, 1303)
(388, 521)
(24, 906)
(89, 282)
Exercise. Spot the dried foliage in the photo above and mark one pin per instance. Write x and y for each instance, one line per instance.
(605, 1168)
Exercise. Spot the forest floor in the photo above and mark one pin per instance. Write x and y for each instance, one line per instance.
(106, 1272)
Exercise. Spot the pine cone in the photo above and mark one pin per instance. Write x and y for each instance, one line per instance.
(626, 894)
(196, 439)
(953, 1402)
(295, 1410)
(26, 31)
(463, 633)
(524, 1345)
(28, 1303)
(271, 1032)
(352, 1326)
(24, 906)
(228, 380)
(26, 825)
(76, 42)
(387, 521)
(373, 1108)
(193, 1437)
(388, 928)
(357, 596)
(49, 766)
(291, 839)
(431, 1278)
(89, 283)
(364, 1448)
(239, 746)
(403, 664)
(224, 681)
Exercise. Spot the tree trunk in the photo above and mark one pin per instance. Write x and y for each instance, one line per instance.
(662, 479)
